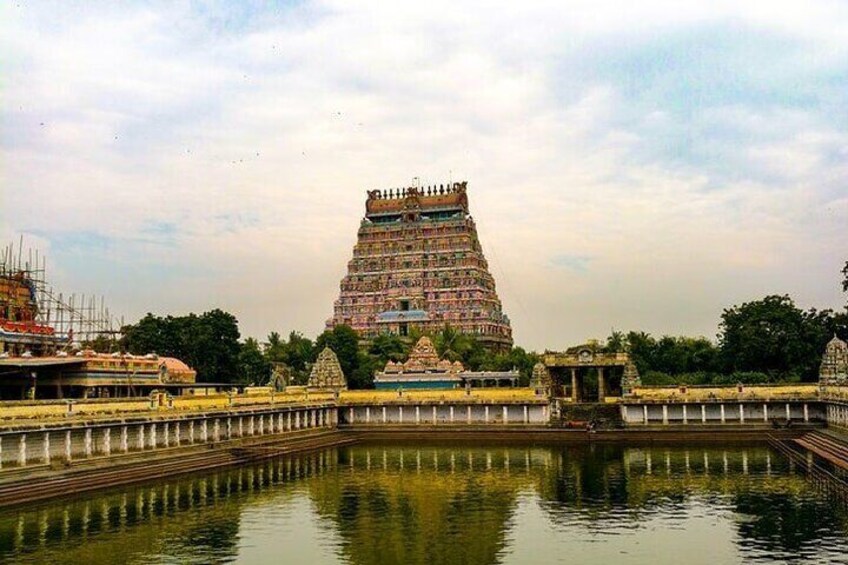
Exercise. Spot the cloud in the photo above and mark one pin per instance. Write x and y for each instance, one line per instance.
(186, 158)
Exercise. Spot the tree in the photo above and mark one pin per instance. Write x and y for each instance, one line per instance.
(616, 342)
(773, 336)
(254, 367)
(208, 343)
(388, 347)
(845, 277)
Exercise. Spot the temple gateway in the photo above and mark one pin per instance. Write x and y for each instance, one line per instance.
(418, 263)
(587, 373)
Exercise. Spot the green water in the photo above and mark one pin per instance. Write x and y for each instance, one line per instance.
(404, 503)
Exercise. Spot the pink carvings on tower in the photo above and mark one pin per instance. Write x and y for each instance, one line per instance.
(418, 263)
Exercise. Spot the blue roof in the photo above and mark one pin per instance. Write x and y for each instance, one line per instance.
(402, 316)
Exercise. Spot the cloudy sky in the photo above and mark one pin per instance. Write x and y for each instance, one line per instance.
(631, 168)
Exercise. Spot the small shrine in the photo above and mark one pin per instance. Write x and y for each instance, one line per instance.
(541, 380)
(327, 373)
(424, 369)
(834, 365)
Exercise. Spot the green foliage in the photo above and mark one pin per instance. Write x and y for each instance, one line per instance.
(388, 347)
(745, 377)
(297, 353)
(845, 277)
(658, 378)
(254, 367)
(669, 355)
(774, 336)
(209, 343)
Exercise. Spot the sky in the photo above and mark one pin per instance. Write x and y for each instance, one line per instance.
(638, 165)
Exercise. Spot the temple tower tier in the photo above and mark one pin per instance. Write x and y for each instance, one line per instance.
(418, 263)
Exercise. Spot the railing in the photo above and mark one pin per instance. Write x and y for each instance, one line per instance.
(55, 409)
(708, 394)
(459, 396)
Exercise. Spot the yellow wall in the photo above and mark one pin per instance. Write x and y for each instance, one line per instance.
(753, 392)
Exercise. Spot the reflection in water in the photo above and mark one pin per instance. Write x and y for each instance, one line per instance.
(447, 504)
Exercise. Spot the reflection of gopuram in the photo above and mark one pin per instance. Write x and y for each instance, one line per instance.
(418, 264)
(384, 503)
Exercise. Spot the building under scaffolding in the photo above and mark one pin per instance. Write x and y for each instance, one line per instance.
(35, 320)
(45, 339)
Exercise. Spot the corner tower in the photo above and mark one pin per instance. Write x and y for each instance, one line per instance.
(418, 263)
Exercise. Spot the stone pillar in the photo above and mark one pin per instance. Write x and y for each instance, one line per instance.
(575, 391)
(281, 426)
(314, 418)
(241, 426)
(741, 413)
(22, 451)
(216, 430)
(367, 414)
(685, 415)
(721, 409)
(451, 412)
(350, 415)
(191, 431)
(288, 422)
(204, 431)
(87, 442)
(788, 412)
(261, 424)
(385, 418)
(153, 436)
(251, 425)
(486, 414)
(68, 446)
(141, 442)
(806, 412)
(46, 444)
(703, 413)
(526, 415)
(230, 428)
(417, 414)
(645, 413)
(602, 385)
(506, 414)
(107, 441)
(765, 412)
(434, 414)
(468, 414)
(400, 414)
(166, 433)
(665, 414)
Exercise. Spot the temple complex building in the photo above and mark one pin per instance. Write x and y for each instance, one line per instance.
(424, 370)
(418, 263)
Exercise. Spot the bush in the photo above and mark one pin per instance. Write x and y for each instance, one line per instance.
(656, 378)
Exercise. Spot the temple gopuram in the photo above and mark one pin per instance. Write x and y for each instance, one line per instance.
(418, 263)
